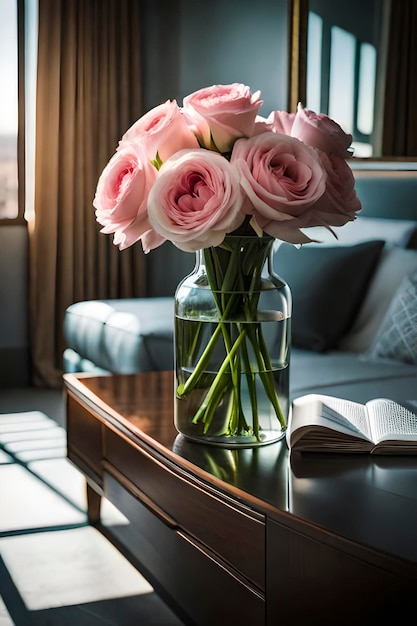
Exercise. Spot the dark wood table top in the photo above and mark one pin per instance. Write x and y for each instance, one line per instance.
(371, 500)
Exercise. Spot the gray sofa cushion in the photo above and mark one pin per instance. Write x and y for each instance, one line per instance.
(122, 336)
(394, 232)
(351, 376)
(74, 362)
(328, 285)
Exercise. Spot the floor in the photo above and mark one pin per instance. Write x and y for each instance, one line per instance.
(56, 569)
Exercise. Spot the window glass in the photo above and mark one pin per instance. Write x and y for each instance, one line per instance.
(8, 109)
(342, 78)
(366, 97)
(315, 36)
(31, 60)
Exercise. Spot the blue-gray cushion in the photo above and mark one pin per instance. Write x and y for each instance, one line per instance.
(328, 284)
(351, 376)
(122, 336)
(393, 232)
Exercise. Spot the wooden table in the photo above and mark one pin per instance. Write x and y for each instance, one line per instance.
(253, 536)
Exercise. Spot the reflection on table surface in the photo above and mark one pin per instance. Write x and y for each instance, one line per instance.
(260, 471)
(368, 498)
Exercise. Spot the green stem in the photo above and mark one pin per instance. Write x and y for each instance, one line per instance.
(189, 385)
(251, 380)
(211, 395)
(265, 371)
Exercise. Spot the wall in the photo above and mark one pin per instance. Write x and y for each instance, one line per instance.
(194, 43)
(14, 343)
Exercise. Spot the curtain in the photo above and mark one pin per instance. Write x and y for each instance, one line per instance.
(399, 118)
(88, 94)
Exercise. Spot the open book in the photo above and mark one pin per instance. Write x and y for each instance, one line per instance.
(320, 423)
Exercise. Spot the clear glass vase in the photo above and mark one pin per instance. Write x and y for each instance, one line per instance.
(232, 346)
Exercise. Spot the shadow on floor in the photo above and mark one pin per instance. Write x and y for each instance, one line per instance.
(55, 568)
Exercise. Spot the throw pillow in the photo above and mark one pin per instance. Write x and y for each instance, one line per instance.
(397, 337)
(393, 265)
(328, 285)
(394, 232)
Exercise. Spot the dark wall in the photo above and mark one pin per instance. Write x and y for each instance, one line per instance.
(190, 44)
(361, 17)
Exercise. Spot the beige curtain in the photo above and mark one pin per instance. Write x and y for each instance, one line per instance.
(88, 94)
(399, 119)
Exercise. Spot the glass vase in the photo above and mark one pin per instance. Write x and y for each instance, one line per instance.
(232, 346)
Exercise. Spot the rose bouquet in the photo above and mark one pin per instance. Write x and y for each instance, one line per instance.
(214, 171)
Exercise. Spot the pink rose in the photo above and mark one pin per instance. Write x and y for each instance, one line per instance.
(121, 196)
(162, 130)
(339, 203)
(151, 240)
(196, 200)
(321, 132)
(223, 113)
(283, 179)
(262, 125)
(282, 122)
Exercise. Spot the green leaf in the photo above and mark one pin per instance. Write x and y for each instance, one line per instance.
(157, 162)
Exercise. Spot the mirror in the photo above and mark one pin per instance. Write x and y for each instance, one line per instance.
(343, 64)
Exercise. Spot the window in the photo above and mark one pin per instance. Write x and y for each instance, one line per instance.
(314, 38)
(18, 54)
(31, 62)
(366, 99)
(8, 109)
(341, 76)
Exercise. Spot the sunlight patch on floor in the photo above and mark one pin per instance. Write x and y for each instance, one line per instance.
(69, 567)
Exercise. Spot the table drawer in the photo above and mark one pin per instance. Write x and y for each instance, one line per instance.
(233, 532)
(194, 579)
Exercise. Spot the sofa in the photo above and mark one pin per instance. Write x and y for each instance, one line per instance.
(354, 322)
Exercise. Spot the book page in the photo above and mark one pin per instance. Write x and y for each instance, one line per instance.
(349, 413)
(332, 412)
(391, 420)
(311, 439)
